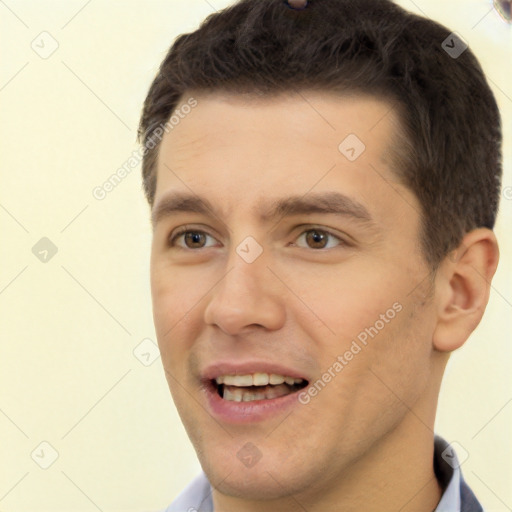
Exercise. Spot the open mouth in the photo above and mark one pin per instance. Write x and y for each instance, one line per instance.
(257, 386)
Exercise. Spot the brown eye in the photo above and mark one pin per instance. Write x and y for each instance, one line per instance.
(193, 239)
(316, 239)
(319, 239)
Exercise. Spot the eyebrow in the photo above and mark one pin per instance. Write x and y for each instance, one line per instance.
(321, 203)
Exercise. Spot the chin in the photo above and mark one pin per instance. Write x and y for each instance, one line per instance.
(271, 478)
(259, 486)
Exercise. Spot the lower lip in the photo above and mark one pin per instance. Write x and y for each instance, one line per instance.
(247, 412)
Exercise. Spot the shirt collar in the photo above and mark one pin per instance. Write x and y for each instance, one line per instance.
(447, 470)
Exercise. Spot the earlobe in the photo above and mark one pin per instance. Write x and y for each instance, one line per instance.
(463, 285)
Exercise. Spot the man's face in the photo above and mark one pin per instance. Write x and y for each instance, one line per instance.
(335, 299)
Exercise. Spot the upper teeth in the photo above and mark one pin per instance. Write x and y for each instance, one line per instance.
(256, 379)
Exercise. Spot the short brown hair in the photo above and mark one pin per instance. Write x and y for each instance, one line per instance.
(449, 116)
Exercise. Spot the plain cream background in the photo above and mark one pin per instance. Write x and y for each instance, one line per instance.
(68, 373)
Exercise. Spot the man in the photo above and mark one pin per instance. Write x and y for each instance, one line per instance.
(324, 181)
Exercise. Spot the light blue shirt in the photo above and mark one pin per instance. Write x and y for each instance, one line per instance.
(197, 496)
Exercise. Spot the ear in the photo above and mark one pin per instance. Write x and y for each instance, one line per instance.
(463, 283)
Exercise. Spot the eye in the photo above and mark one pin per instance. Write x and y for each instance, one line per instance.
(193, 239)
(318, 239)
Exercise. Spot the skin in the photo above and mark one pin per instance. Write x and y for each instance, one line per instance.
(365, 442)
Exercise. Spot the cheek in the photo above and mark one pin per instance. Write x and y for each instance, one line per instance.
(396, 360)
(378, 329)
(170, 307)
(347, 303)
(174, 293)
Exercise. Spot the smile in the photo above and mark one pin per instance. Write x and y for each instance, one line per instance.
(256, 386)
(251, 391)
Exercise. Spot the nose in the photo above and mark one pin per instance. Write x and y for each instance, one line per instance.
(248, 295)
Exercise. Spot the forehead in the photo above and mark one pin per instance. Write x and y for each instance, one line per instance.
(285, 120)
(242, 149)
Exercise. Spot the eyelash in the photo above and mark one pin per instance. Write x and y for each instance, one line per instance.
(186, 230)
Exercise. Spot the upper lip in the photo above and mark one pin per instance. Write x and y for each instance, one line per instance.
(214, 370)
